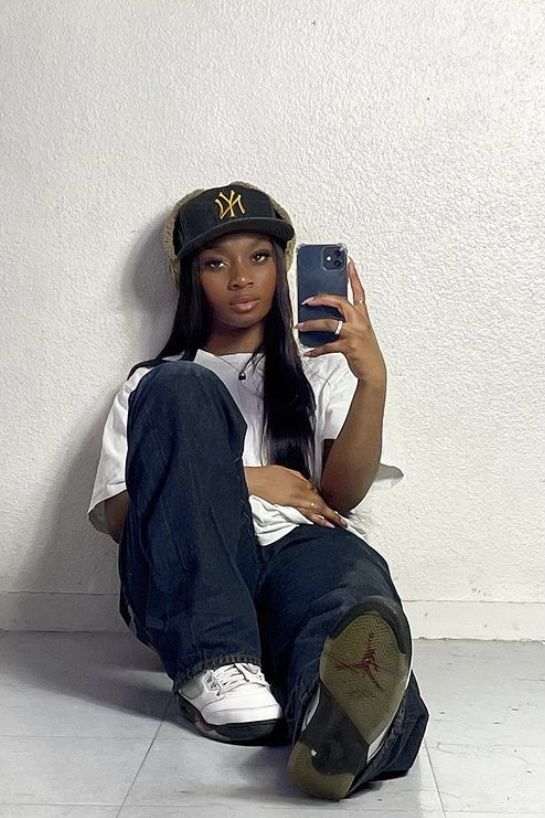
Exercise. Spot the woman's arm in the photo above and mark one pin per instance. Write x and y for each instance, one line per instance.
(115, 509)
(353, 458)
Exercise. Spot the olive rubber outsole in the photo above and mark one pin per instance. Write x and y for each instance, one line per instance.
(364, 667)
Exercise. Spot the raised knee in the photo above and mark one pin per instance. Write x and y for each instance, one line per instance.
(178, 376)
(176, 371)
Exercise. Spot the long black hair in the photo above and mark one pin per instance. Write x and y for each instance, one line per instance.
(289, 403)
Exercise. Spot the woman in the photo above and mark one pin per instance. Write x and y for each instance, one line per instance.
(227, 465)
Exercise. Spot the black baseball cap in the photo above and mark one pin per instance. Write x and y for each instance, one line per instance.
(228, 209)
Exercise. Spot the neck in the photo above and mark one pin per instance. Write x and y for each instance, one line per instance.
(229, 343)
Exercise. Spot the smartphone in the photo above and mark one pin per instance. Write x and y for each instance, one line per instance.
(320, 268)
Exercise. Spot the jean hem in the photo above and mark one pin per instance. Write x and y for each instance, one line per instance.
(303, 694)
(212, 664)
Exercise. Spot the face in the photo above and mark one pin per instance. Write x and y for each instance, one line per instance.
(238, 276)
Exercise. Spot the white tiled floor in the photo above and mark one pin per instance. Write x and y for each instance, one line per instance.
(89, 730)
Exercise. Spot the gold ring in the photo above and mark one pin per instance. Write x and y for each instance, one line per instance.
(310, 507)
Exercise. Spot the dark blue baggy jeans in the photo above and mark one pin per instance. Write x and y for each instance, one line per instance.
(196, 585)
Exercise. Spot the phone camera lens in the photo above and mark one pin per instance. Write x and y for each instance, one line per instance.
(337, 263)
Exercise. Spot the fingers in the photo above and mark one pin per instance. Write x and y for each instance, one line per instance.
(317, 519)
(325, 349)
(319, 324)
(311, 505)
(321, 514)
(357, 288)
(341, 302)
(338, 301)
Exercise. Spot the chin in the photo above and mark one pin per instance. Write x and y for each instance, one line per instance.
(247, 323)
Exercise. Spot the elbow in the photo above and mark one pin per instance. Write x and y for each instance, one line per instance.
(341, 498)
(116, 509)
(348, 507)
(340, 501)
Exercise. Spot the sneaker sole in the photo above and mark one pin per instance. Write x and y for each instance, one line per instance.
(364, 667)
(249, 732)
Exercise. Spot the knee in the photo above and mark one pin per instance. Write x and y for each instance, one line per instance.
(361, 552)
(175, 382)
(179, 378)
(362, 567)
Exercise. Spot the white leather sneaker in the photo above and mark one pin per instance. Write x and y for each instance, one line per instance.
(232, 703)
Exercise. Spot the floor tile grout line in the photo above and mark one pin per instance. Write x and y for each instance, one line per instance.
(396, 812)
(467, 744)
(435, 779)
(483, 743)
(84, 738)
(55, 804)
(467, 813)
(167, 707)
(146, 754)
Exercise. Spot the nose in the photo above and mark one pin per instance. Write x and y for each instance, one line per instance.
(240, 275)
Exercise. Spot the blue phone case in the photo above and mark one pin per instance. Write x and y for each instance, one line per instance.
(316, 275)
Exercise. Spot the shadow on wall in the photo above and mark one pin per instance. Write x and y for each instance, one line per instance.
(72, 581)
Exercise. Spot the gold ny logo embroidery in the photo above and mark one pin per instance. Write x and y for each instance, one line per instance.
(227, 206)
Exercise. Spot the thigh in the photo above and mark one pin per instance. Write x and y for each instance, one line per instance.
(312, 561)
(309, 579)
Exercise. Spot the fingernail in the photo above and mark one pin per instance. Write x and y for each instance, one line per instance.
(329, 525)
(307, 300)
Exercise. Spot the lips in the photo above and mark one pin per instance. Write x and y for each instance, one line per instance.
(244, 300)
(244, 306)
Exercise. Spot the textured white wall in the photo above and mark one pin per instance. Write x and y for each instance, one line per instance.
(411, 131)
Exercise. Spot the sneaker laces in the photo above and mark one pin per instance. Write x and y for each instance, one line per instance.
(229, 677)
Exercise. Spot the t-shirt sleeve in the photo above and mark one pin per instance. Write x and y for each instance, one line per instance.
(110, 475)
(340, 389)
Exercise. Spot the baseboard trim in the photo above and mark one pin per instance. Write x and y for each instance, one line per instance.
(430, 619)
(41, 611)
(453, 619)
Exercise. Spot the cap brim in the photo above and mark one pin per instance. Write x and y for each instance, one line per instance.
(275, 228)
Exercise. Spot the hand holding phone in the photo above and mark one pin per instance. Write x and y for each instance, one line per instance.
(320, 269)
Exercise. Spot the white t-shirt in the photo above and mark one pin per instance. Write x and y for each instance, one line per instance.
(333, 383)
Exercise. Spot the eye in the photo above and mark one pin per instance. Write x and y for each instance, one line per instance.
(263, 254)
(212, 263)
